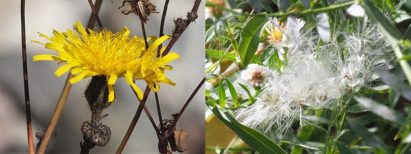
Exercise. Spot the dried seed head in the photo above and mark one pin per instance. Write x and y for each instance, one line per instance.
(97, 134)
(256, 75)
(180, 26)
(143, 8)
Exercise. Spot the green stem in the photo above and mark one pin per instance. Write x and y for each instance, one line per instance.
(280, 14)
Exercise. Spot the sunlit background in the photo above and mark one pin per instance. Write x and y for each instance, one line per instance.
(46, 15)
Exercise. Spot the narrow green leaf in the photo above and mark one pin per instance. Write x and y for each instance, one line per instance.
(385, 24)
(343, 148)
(405, 130)
(221, 95)
(381, 110)
(357, 108)
(250, 39)
(368, 139)
(253, 138)
(218, 54)
(307, 145)
(233, 93)
(304, 133)
(395, 83)
(250, 96)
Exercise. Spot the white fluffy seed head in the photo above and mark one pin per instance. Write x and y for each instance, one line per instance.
(316, 77)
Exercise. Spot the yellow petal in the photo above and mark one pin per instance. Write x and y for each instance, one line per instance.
(46, 57)
(124, 32)
(112, 80)
(153, 86)
(79, 28)
(151, 38)
(44, 36)
(54, 46)
(110, 93)
(75, 71)
(79, 77)
(63, 69)
(162, 50)
(156, 43)
(168, 67)
(170, 57)
(137, 90)
(35, 41)
(168, 81)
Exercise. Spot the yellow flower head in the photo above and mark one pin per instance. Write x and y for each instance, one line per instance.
(276, 33)
(88, 53)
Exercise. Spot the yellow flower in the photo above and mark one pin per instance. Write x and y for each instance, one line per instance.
(88, 53)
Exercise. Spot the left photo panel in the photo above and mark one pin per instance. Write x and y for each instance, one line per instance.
(102, 77)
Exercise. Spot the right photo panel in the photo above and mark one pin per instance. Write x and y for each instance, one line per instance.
(308, 76)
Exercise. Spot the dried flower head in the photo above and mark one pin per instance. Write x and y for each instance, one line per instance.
(256, 75)
(113, 55)
(143, 8)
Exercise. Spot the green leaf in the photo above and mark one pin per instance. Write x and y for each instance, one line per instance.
(253, 138)
(233, 93)
(250, 39)
(218, 54)
(386, 25)
(390, 32)
(368, 139)
(250, 96)
(405, 130)
(381, 110)
(343, 148)
(396, 83)
(307, 145)
(406, 5)
(357, 108)
(221, 95)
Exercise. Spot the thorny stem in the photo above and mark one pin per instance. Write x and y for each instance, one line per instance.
(191, 16)
(95, 13)
(181, 25)
(25, 78)
(56, 116)
(186, 104)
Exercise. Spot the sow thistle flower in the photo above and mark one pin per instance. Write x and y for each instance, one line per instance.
(86, 53)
